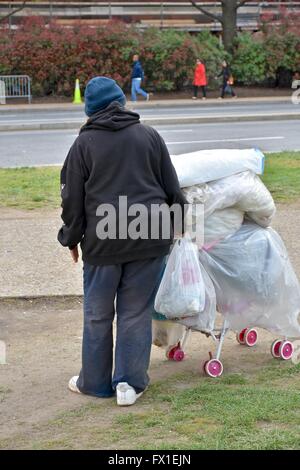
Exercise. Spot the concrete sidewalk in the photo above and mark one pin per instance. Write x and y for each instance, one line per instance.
(33, 263)
(141, 104)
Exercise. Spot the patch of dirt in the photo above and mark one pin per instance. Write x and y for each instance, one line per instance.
(43, 339)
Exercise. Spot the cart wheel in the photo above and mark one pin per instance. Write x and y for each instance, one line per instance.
(250, 337)
(175, 353)
(240, 337)
(213, 368)
(178, 355)
(170, 353)
(286, 350)
(275, 348)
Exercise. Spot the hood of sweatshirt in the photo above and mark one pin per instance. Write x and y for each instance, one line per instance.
(113, 118)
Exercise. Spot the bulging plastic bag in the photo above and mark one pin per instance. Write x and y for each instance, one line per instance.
(181, 292)
(204, 321)
(254, 281)
(225, 203)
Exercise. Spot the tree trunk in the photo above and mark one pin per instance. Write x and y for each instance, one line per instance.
(229, 17)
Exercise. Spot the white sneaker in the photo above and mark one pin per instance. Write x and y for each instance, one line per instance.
(126, 395)
(73, 384)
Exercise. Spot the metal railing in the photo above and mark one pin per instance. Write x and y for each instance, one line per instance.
(15, 86)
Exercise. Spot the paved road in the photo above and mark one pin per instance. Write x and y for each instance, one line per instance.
(200, 109)
(29, 148)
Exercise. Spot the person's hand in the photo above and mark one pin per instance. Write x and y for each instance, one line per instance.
(75, 254)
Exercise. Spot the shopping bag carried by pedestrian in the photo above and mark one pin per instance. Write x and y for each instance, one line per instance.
(228, 89)
(181, 292)
(230, 80)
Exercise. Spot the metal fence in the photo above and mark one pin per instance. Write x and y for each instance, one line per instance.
(14, 86)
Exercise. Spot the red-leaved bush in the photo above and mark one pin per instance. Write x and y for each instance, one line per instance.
(54, 55)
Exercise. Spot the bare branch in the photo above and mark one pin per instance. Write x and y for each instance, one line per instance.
(207, 13)
(11, 13)
(241, 3)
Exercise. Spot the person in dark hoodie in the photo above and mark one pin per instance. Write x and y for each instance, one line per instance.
(115, 155)
(137, 76)
(226, 81)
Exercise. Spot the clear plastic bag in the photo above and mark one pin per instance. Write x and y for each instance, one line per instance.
(181, 292)
(204, 321)
(254, 281)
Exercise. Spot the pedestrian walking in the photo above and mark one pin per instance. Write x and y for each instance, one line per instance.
(200, 80)
(227, 81)
(116, 157)
(137, 76)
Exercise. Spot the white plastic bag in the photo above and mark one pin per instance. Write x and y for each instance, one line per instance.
(181, 292)
(210, 165)
(204, 321)
(254, 281)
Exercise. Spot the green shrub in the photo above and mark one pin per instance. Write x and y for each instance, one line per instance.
(250, 60)
(283, 51)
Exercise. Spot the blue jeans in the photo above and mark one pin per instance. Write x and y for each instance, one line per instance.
(134, 287)
(136, 88)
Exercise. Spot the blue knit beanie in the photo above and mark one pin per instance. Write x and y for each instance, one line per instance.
(100, 92)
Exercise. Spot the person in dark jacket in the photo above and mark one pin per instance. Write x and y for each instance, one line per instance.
(137, 76)
(226, 78)
(115, 157)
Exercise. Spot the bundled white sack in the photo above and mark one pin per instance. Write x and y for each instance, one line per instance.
(225, 203)
(244, 191)
(181, 292)
(254, 281)
(221, 224)
(209, 165)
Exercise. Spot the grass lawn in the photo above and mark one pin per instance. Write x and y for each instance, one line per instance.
(282, 175)
(31, 188)
(258, 411)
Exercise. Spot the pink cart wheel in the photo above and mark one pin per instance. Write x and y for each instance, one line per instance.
(178, 355)
(286, 350)
(213, 368)
(275, 348)
(250, 337)
(170, 352)
(240, 337)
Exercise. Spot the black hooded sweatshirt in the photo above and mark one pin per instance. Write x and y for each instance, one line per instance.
(115, 155)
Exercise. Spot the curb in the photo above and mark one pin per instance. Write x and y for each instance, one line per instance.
(157, 121)
(221, 118)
